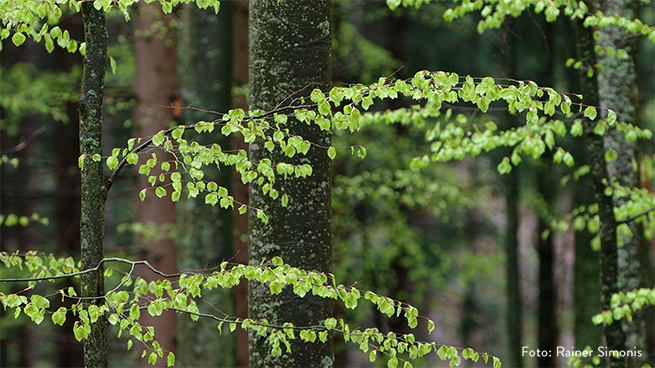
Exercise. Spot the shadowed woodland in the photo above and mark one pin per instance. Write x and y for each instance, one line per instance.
(343, 183)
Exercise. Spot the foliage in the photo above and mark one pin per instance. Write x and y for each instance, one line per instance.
(38, 19)
(495, 12)
(448, 140)
(344, 108)
(26, 90)
(124, 304)
(13, 219)
(639, 207)
(624, 305)
(549, 115)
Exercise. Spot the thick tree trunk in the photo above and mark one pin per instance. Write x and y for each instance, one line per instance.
(155, 85)
(613, 334)
(618, 90)
(92, 222)
(290, 53)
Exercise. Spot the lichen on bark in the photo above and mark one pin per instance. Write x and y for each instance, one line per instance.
(594, 143)
(93, 193)
(618, 90)
(290, 54)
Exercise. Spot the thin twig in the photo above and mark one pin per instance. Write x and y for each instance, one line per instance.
(634, 217)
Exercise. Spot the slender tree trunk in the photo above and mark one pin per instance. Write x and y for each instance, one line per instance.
(67, 203)
(290, 53)
(93, 197)
(155, 86)
(618, 90)
(514, 305)
(609, 268)
(511, 181)
(547, 310)
(585, 279)
(240, 191)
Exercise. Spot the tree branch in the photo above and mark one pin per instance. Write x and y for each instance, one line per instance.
(634, 217)
(94, 269)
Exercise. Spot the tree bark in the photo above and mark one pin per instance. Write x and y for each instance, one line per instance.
(618, 90)
(290, 53)
(240, 191)
(514, 305)
(155, 85)
(585, 279)
(93, 193)
(547, 310)
(613, 334)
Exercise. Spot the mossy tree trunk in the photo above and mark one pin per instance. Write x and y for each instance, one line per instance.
(93, 192)
(609, 268)
(618, 90)
(290, 53)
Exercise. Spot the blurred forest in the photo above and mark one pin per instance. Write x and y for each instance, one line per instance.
(459, 241)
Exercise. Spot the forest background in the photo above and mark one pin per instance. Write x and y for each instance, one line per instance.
(438, 238)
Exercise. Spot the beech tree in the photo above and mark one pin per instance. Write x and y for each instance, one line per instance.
(289, 58)
(293, 109)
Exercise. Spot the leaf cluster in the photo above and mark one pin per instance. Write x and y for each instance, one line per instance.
(625, 304)
(123, 305)
(38, 20)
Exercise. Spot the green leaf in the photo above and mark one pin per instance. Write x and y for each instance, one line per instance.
(160, 192)
(59, 317)
(504, 167)
(18, 39)
(152, 358)
(590, 112)
(372, 356)
(158, 139)
(430, 326)
(166, 7)
(361, 152)
(112, 162)
(170, 359)
(332, 152)
(132, 158)
(112, 63)
(79, 331)
(576, 129)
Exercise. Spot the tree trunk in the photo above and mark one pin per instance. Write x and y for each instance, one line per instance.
(613, 334)
(205, 232)
(618, 90)
(93, 196)
(240, 191)
(155, 86)
(290, 53)
(547, 310)
(514, 305)
(585, 279)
